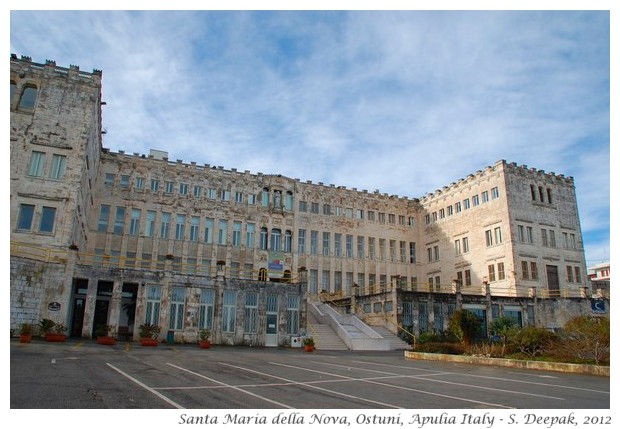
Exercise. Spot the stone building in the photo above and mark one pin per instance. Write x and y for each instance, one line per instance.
(100, 237)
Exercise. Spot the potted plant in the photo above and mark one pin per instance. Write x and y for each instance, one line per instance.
(57, 334)
(25, 333)
(204, 341)
(149, 334)
(46, 326)
(106, 334)
(309, 344)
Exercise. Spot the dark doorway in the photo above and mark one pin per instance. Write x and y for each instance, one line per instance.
(104, 294)
(553, 281)
(80, 288)
(128, 308)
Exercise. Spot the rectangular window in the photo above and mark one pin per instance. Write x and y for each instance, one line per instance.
(498, 235)
(288, 201)
(109, 179)
(314, 208)
(150, 224)
(325, 280)
(494, 193)
(104, 216)
(249, 235)
(489, 237)
(314, 242)
(491, 273)
(371, 215)
(197, 191)
(457, 207)
(194, 228)
(569, 274)
(238, 197)
(552, 238)
(119, 220)
(153, 302)
(303, 206)
(401, 220)
(177, 307)
(183, 189)
(337, 245)
(236, 237)
(577, 275)
(228, 311)
(393, 250)
(59, 164)
(222, 233)
(165, 225)
(573, 241)
(521, 233)
(485, 196)
(139, 183)
(466, 204)
(169, 187)
(381, 217)
(349, 246)
(442, 213)
(250, 320)
(205, 311)
(360, 247)
(37, 164)
(251, 199)
(371, 248)
(327, 209)
(543, 235)
(292, 315)
(124, 181)
(436, 252)
(412, 255)
(359, 214)
(154, 185)
(391, 219)
(211, 193)
(313, 281)
(301, 241)
(209, 226)
(465, 245)
(179, 230)
(225, 195)
(134, 222)
(500, 271)
(457, 247)
(530, 234)
(475, 200)
(26, 215)
(429, 254)
(467, 277)
(525, 272)
(348, 212)
(325, 243)
(534, 270)
(403, 252)
(382, 250)
(337, 281)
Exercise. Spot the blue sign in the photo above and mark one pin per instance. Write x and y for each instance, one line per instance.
(598, 306)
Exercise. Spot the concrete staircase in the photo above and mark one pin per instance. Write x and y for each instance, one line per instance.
(395, 342)
(324, 336)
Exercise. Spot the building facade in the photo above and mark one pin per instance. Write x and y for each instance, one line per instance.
(117, 238)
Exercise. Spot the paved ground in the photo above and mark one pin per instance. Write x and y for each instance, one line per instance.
(82, 374)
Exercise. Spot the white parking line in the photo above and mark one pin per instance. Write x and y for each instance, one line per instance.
(444, 382)
(512, 380)
(139, 383)
(396, 387)
(333, 392)
(280, 404)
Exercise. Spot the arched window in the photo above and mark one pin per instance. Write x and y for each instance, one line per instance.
(28, 98)
(276, 239)
(263, 238)
(262, 275)
(288, 238)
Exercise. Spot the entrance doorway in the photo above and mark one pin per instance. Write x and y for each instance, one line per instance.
(80, 288)
(102, 305)
(271, 332)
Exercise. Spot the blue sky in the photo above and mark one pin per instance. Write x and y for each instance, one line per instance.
(404, 102)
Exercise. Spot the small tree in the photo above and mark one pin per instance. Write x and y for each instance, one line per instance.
(503, 327)
(464, 325)
(588, 337)
(532, 341)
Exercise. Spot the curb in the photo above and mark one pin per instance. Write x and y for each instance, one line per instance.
(513, 363)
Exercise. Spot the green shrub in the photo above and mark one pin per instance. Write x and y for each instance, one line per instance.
(532, 341)
(445, 348)
(587, 338)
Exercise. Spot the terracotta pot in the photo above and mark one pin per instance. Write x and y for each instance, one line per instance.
(149, 342)
(309, 348)
(25, 338)
(204, 344)
(108, 341)
(53, 337)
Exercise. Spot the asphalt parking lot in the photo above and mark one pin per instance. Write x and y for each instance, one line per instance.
(82, 374)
